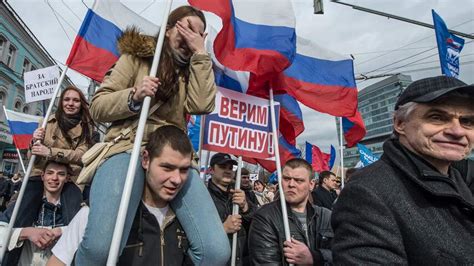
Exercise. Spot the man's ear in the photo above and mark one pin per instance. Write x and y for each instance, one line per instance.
(312, 182)
(399, 126)
(145, 159)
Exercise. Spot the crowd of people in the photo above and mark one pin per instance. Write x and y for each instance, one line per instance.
(413, 206)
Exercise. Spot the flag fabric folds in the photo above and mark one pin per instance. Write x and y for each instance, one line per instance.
(22, 126)
(256, 36)
(319, 160)
(449, 47)
(194, 130)
(366, 155)
(287, 152)
(95, 48)
(353, 129)
(320, 79)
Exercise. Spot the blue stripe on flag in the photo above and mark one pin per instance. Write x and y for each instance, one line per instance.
(22, 128)
(264, 37)
(100, 32)
(321, 71)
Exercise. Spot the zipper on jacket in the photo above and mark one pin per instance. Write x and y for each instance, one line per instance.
(162, 244)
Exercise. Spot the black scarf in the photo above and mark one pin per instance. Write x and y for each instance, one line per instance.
(68, 122)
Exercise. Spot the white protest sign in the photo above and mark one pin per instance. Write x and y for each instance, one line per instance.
(40, 83)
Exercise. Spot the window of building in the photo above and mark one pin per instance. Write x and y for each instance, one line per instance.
(26, 66)
(3, 97)
(26, 109)
(3, 44)
(11, 56)
(18, 106)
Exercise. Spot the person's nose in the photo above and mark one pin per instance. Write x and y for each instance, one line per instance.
(455, 129)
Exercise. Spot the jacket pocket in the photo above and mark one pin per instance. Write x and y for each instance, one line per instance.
(325, 238)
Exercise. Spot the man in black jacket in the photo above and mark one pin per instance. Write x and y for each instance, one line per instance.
(310, 226)
(325, 195)
(156, 237)
(412, 206)
(224, 196)
(40, 223)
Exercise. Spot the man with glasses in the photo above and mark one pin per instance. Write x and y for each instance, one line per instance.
(412, 206)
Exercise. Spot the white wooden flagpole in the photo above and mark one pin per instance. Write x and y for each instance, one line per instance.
(235, 210)
(342, 151)
(28, 171)
(286, 225)
(127, 190)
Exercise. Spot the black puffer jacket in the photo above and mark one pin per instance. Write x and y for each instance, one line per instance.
(401, 210)
(223, 202)
(267, 234)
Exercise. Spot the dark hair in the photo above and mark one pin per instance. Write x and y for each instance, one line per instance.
(244, 171)
(170, 135)
(85, 117)
(298, 162)
(324, 175)
(67, 166)
(167, 73)
(259, 182)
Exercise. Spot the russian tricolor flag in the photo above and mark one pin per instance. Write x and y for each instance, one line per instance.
(95, 49)
(319, 160)
(287, 152)
(22, 127)
(353, 129)
(256, 36)
(320, 79)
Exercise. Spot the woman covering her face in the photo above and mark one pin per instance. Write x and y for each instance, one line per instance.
(184, 84)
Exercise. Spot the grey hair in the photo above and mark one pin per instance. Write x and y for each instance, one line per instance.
(402, 114)
(404, 111)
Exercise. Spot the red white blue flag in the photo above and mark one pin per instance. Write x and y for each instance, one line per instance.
(95, 48)
(353, 129)
(22, 127)
(319, 160)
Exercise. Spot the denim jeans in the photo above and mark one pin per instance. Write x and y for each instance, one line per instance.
(193, 207)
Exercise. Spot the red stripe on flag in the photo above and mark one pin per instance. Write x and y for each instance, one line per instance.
(89, 60)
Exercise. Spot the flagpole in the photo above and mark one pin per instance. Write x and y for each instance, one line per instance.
(127, 190)
(235, 211)
(201, 138)
(342, 152)
(21, 160)
(286, 226)
(30, 167)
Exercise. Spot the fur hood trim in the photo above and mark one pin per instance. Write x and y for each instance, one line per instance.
(134, 43)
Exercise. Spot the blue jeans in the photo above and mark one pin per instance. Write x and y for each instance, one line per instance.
(193, 206)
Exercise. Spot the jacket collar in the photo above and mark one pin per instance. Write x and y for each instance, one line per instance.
(214, 189)
(74, 132)
(422, 173)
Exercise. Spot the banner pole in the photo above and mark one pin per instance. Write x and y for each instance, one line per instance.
(127, 190)
(6, 240)
(235, 210)
(342, 151)
(201, 139)
(286, 225)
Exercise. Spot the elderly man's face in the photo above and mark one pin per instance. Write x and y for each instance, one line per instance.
(441, 133)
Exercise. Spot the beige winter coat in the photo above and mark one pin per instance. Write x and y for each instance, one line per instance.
(61, 150)
(110, 102)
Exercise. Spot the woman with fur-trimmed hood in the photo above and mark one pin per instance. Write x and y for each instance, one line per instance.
(185, 85)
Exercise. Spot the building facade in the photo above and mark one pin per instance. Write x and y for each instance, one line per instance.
(376, 105)
(20, 52)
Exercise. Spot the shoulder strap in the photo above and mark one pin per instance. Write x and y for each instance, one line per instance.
(127, 130)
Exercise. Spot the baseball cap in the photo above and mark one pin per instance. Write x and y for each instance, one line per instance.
(429, 89)
(221, 158)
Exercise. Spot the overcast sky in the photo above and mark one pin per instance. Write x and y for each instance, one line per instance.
(374, 41)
